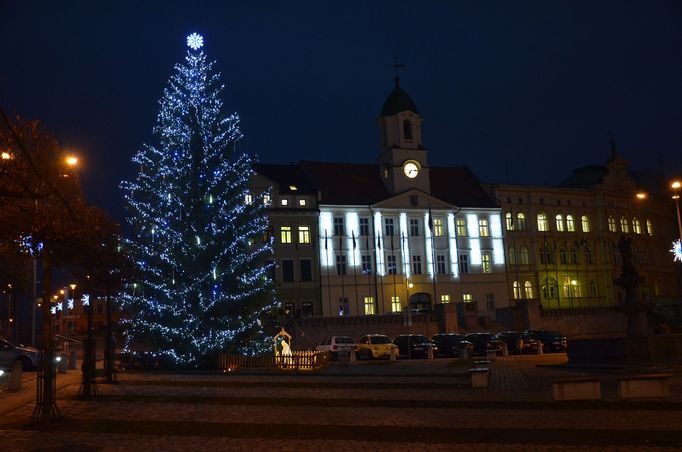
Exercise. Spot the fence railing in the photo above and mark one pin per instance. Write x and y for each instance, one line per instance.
(296, 361)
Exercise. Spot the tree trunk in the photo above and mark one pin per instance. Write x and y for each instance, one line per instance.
(46, 409)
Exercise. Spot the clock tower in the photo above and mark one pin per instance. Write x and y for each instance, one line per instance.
(402, 162)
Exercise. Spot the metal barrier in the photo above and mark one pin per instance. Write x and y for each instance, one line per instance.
(296, 361)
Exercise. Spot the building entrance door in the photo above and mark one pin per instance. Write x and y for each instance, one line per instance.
(420, 302)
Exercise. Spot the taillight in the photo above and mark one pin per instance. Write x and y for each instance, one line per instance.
(333, 347)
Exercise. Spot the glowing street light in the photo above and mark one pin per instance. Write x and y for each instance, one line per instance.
(71, 160)
(6, 155)
(642, 195)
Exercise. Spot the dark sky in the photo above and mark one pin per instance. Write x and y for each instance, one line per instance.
(518, 91)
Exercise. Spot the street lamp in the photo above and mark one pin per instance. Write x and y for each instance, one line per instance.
(71, 160)
(675, 185)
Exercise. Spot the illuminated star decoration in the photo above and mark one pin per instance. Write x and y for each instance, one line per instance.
(195, 41)
(677, 251)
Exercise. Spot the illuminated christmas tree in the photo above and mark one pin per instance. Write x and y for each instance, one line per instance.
(203, 285)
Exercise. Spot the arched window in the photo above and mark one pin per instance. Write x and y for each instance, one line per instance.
(528, 289)
(612, 224)
(570, 223)
(586, 223)
(649, 227)
(509, 221)
(512, 256)
(559, 223)
(573, 256)
(624, 226)
(524, 256)
(563, 257)
(588, 256)
(546, 256)
(636, 226)
(407, 129)
(549, 288)
(542, 222)
(593, 288)
(521, 221)
(517, 290)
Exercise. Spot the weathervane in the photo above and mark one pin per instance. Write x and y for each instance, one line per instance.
(195, 41)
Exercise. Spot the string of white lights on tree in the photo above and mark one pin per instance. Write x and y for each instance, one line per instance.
(198, 247)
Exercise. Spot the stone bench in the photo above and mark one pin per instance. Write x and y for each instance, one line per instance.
(577, 389)
(644, 385)
(479, 377)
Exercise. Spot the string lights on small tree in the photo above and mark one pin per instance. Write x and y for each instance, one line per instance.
(202, 285)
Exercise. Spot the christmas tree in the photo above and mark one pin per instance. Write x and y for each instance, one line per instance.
(203, 285)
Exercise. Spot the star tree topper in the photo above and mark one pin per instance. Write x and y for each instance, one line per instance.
(677, 251)
(195, 41)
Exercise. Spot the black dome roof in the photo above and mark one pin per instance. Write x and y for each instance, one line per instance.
(398, 101)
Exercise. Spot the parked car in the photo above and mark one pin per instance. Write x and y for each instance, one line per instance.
(451, 344)
(413, 345)
(552, 341)
(376, 346)
(336, 344)
(11, 353)
(518, 342)
(484, 342)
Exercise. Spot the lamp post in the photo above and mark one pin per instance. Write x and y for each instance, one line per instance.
(676, 196)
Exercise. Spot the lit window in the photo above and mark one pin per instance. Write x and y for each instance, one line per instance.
(461, 227)
(303, 234)
(438, 227)
(612, 224)
(389, 226)
(524, 258)
(302, 202)
(284, 202)
(485, 262)
(560, 223)
(521, 221)
(542, 222)
(512, 256)
(445, 298)
(516, 289)
(414, 227)
(549, 288)
(293, 187)
(338, 226)
(636, 226)
(528, 289)
(624, 226)
(395, 304)
(570, 224)
(649, 227)
(509, 221)
(586, 223)
(369, 305)
(266, 200)
(248, 198)
(366, 264)
(286, 234)
(483, 227)
(466, 297)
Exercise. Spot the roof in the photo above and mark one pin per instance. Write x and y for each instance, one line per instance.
(585, 177)
(286, 175)
(460, 187)
(398, 101)
(346, 183)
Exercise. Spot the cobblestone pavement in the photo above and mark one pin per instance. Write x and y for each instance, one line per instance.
(396, 406)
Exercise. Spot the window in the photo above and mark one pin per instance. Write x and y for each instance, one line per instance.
(485, 262)
(340, 265)
(463, 263)
(248, 198)
(389, 226)
(364, 226)
(366, 264)
(586, 223)
(440, 264)
(306, 270)
(461, 227)
(395, 304)
(445, 298)
(549, 288)
(524, 258)
(483, 227)
(528, 289)
(612, 224)
(573, 256)
(391, 264)
(287, 270)
(512, 256)
(304, 234)
(338, 226)
(438, 227)
(592, 288)
(636, 226)
(301, 202)
(571, 287)
(509, 221)
(466, 297)
(266, 200)
(284, 202)
(559, 223)
(288, 310)
(285, 234)
(521, 221)
(546, 256)
(307, 309)
(542, 222)
(407, 129)
(588, 256)
(516, 288)
(624, 226)
(490, 301)
(649, 227)
(417, 265)
(369, 306)
(344, 308)
(563, 257)
(570, 223)
(414, 227)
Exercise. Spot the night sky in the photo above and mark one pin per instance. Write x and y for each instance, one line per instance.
(519, 91)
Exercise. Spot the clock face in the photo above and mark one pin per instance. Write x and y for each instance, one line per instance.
(411, 170)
